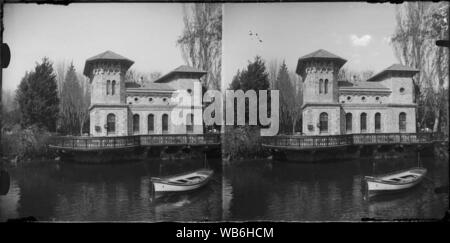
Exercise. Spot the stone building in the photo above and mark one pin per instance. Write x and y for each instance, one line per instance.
(384, 103)
(172, 104)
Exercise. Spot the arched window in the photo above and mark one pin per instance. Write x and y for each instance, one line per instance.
(136, 123)
(190, 123)
(151, 123)
(320, 86)
(108, 87)
(110, 123)
(326, 86)
(363, 122)
(113, 87)
(402, 122)
(323, 122)
(165, 123)
(348, 122)
(377, 122)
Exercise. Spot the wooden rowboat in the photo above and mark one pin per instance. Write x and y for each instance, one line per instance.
(182, 182)
(395, 181)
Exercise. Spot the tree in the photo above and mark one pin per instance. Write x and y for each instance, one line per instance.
(273, 68)
(141, 78)
(61, 71)
(440, 65)
(287, 98)
(350, 75)
(37, 96)
(254, 77)
(71, 100)
(235, 83)
(8, 100)
(290, 99)
(83, 111)
(10, 114)
(419, 25)
(297, 110)
(201, 40)
(75, 101)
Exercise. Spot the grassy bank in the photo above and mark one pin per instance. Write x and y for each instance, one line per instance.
(24, 144)
(242, 142)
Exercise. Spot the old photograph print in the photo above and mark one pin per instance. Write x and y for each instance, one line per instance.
(363, 111)
(92, 103)
(119, 112)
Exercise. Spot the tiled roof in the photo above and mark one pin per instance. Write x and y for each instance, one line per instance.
(319, 54)
(183, 69)
(393, 68)
(400, 67)
(107, 55)
(187, 69)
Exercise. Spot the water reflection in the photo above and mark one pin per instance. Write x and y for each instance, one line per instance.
(107, 192)
(272, 190)
(5, 181)
(250, 190)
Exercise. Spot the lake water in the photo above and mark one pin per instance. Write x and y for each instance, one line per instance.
(271, 190)
(248, 190)
(108, 192)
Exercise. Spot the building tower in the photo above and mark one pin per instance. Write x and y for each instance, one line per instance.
(321, 113)
(108, 111)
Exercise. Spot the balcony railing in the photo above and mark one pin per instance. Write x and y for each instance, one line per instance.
(308, 141)
(93, 143)
(184, 139)
(305, 142)
(87, 143)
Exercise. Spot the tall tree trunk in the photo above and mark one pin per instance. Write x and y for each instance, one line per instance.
(294, 122)
(81, 128)
(436, 122)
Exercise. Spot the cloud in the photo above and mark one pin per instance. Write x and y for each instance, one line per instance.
(360, 41)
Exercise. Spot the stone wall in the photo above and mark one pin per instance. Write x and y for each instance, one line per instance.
(315, 71)
(158, 112)
(101, 74)
(311, 118)
(98, 117)
(402, 90)
(389, 120)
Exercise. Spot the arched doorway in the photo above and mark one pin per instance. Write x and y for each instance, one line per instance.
(323, 118)
(110, 124)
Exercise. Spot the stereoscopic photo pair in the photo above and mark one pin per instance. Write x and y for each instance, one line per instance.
(224, 112)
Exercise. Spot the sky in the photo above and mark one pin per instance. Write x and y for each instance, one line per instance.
(357, 32)
(143, 32)
(147, 32)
